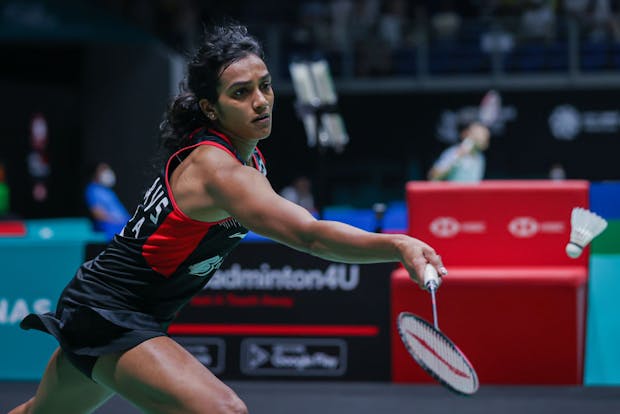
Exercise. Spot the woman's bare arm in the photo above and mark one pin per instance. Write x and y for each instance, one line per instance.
(247, 196)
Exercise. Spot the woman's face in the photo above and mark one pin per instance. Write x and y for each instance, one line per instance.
(245, 99)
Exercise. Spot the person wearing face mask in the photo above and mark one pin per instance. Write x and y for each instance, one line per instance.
(108, 213)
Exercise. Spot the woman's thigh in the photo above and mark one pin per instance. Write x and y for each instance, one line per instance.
(160, 376)
(64, 389)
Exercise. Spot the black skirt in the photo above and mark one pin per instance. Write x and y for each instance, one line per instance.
(86, 330)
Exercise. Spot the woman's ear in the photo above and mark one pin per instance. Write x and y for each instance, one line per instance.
(207, 109)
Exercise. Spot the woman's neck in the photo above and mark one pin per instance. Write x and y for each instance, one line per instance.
(244, 147)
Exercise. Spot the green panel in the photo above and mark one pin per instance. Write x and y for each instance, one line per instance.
(608, 242)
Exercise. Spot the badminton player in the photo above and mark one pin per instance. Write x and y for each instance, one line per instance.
(465, 161)
(112, 317)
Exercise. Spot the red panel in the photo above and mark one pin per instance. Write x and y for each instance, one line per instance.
(12, 228)
(516, 325)
(497, 223)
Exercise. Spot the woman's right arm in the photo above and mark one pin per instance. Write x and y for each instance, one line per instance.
(246, 195)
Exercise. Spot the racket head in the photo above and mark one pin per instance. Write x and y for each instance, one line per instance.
(437, 354)
(490, 107)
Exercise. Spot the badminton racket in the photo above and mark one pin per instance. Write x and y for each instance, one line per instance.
(490, 108)
(433, 350)
(489, 111)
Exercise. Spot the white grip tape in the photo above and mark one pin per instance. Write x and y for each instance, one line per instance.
(431, 278)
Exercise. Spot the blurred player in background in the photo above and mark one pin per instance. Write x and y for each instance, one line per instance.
(111, 320)
(465, 161)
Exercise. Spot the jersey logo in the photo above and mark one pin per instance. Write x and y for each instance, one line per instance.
(237, 235)
(204, 268)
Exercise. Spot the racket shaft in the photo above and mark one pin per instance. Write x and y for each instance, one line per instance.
(434, 300)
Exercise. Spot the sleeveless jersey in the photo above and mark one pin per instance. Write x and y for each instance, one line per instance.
(133, 289)
(162, 257)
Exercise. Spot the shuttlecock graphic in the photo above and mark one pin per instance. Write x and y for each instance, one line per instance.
(585, 225)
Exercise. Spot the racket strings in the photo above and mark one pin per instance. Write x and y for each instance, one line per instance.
(439, 355)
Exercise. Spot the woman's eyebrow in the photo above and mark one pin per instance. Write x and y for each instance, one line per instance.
(247, 82)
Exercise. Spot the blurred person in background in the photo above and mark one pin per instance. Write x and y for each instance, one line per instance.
(107, 212)
(557, 172)
(5, 193)
(465, 161)
(111, 320)
(300, 193)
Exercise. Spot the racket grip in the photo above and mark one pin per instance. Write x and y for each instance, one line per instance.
(431, 278)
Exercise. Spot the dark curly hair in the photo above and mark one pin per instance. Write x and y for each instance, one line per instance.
(222, 46)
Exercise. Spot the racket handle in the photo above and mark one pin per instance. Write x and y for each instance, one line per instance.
(431, 278)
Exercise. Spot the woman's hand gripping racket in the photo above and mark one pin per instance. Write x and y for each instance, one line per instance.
(433, 350)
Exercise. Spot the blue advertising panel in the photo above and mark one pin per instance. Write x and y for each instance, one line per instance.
(35, 269)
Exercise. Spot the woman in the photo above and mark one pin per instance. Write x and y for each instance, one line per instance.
(111, 319)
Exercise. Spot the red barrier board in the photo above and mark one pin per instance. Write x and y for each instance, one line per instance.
(12, 228)
(516, 325)
(497, 222)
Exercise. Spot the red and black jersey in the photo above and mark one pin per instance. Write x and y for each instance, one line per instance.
(132, 290)
(162, 257)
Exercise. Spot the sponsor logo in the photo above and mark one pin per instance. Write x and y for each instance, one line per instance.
(447, 126)
(204, 268)
(230, 223)
(526, 227)
(13, 311)
(447, 227)
(566, 122)
(335, 277)
(294, 357)
(211, 352)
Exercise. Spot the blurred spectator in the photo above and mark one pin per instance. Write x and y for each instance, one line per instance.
(312, 33)
(464, 161)
(394, 23)
(373, 56)
(445, 22)
(597, 18)
(556, 172)
(538, 20)
(108, 213)
(341, 24)
(38, 157)
(300, 192)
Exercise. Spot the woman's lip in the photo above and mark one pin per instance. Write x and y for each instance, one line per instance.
(261, 118)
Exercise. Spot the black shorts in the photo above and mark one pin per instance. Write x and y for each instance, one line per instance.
(93, 318)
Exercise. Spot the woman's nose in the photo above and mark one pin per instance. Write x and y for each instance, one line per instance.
(260, 102)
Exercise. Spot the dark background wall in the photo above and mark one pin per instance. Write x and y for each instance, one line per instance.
(126, 89)
(103, 87)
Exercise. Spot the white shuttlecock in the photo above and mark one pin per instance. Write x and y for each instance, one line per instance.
(585, 225)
